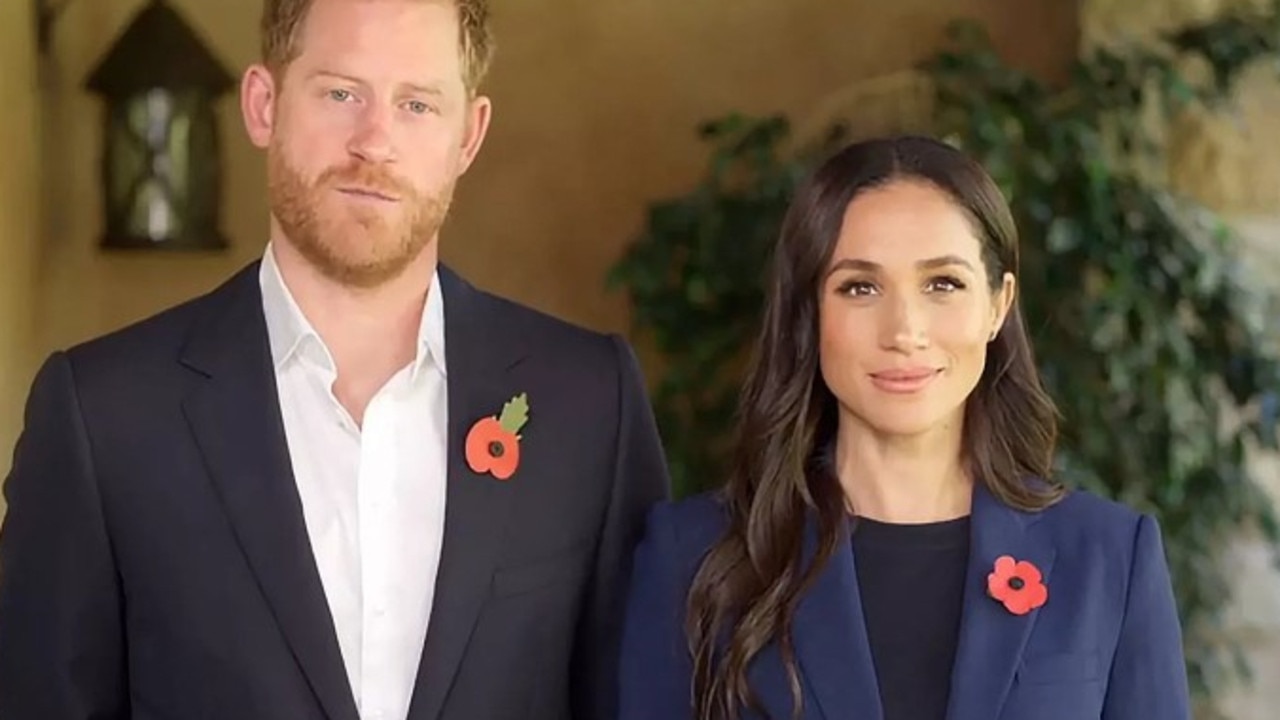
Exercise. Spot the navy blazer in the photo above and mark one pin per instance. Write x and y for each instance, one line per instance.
(155, 562)
(1106, 644)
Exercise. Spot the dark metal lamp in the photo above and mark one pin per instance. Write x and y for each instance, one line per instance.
(161, 163)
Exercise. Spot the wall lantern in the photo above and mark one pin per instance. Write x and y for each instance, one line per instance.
(161, 166)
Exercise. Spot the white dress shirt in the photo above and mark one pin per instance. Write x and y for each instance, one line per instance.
(373, 498)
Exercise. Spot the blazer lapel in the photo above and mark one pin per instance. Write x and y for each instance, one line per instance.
(831, 636)
(235, 416)
(992, 638)
(480, 351)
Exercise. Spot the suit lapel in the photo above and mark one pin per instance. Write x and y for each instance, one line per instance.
(831, 636)
(235, 417)
(992, 638)
(480, 350)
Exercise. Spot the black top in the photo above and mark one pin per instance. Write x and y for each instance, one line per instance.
(911, 581)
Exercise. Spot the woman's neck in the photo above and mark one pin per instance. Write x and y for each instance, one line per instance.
(915, 479)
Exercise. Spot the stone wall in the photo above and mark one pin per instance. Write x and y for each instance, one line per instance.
(1231, 162)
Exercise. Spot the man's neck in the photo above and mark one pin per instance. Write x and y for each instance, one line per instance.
(371, 332)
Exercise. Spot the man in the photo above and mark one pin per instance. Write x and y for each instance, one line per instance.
(345, 484)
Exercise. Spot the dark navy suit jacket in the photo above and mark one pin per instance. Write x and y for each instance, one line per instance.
(155, 562)
(1106, 644)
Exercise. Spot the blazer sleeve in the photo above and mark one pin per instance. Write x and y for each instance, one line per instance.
(640, 480)
(61, 635)
(1148, 673)
(656, 670)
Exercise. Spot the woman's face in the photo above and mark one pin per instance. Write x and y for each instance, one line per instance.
(906, 311)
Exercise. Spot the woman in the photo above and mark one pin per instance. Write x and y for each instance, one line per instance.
(889, 544)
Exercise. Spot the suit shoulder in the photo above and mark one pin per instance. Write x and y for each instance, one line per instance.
(690, 526)
(150, 344)
(593, 357)
(1085, 518)
(144, 333)
(549, 330)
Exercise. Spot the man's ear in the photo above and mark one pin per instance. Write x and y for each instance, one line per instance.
(258, 104)
(479, 111)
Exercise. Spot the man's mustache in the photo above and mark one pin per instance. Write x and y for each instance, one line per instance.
(366, 177)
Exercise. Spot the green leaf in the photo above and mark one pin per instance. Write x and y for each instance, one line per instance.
(515, 413)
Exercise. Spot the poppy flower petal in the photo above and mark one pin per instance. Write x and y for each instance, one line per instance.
(1029, 573)
(505, 466)
(996, 587)
(1037, 595)
(477, 445)
(1017, 604)
(1005, 566)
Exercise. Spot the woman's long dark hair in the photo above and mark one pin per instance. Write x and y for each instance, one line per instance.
(745, 592)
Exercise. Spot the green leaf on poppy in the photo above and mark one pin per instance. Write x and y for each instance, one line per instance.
(515, 413)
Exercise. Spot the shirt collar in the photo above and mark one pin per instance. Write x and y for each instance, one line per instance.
(291, 335)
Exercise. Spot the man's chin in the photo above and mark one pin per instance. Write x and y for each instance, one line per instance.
(357, 260)
(366, 273)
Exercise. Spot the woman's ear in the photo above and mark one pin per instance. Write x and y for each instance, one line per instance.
(1002, 303)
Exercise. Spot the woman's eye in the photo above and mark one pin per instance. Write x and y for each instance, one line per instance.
(857, 288)
(945, 284)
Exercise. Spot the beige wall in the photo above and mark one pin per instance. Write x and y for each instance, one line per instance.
(19, 183)
(84, 291)
(595, 108)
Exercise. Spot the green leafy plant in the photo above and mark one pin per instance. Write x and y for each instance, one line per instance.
(694, 277)
(1150, 337)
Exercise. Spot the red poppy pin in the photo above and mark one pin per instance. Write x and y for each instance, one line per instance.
(1018, 584)
(493, 444)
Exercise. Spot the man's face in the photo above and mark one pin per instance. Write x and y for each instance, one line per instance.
(367, 132)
